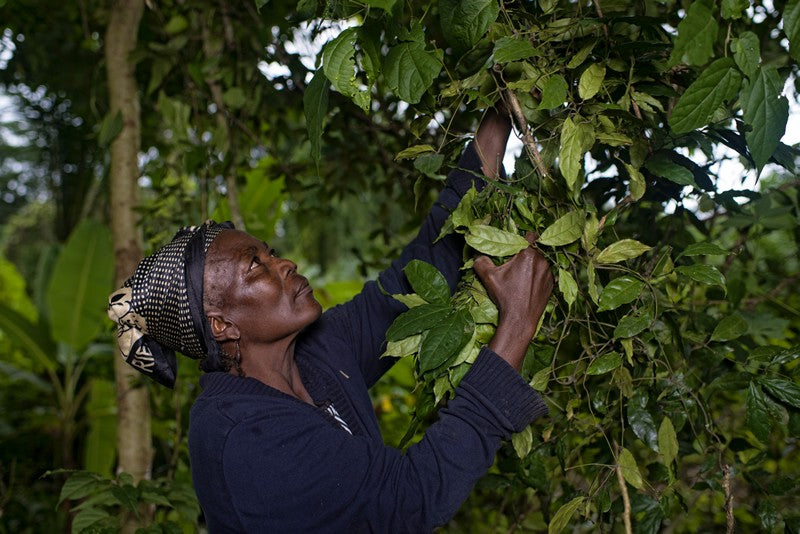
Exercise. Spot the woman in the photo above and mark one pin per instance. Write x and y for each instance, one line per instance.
(283, 437)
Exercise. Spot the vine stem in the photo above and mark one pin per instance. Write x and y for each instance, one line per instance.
(726, 485)
(626, 501)
(522, 125)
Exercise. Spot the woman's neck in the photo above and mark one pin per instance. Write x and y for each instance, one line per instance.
(276, 367)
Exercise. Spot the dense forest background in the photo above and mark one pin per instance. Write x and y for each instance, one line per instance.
(669, 353)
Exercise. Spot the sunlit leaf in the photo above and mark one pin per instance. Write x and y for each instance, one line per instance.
(576, 139)
(540, 379)
(404, 347)
(624, 249)
(494, 241)
(522, 442)
(567, 286)
(554, 92)
(591, 80)
(620, 291)
(630, 471)
(563, 515)
(565, 230)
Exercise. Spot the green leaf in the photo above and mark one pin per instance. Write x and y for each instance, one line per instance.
(747, 53)
(641, 421)
(508, 49)
(783, 390)
(127, 496)
(631, 325)
(101, 410)
(494, 241)
(234, 98)
(591, 80)
(565, 230)
(757, 413)
(786, 356)
(766, 111)
(730, 327)
(465, 21)
(89, 517)
(409, 70)
(791, 26)
(82, 484)
(619, 291)
(110, 128)
(563, 515)
(630, 471)
(429, 164)
(386, 5)
(315, 107)
(716, 85)
(416, 320)
(33, 339)
(705, 274)
(581, 56)
(411, 300)
(445, 339)
(339, 65)
(404, 347)
(79, 286)
(624, 249)
(414, 151)
(637, 183)
(732, 9)
(703, 249)
(576, 139)
(567, 286)
(427, 281)
(522, 442)
(667, 441)
(540, 379)
(554, 92)
(604, 364)
(662, 165)
(697, 33)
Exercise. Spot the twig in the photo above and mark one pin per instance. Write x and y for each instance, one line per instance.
(726, 485)
(626, 501)
(522, 125)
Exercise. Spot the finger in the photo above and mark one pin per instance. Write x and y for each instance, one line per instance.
(532, 237)
(482, 265)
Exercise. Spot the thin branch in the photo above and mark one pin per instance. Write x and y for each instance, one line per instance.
(522, 125)
(626, 501)
(726, 485)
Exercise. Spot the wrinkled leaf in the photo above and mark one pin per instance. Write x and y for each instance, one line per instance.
(576, 139)
(338, 63)
(747, 53)
(565, 230)
(717, 84)
(791, 26)
(508, 49)
(82, 484)
(427, 281)
(604, 364)
(697, 33)
(409, 70)
(554, 92)
(494, 241)
(591, 81)
(783, 390)
(767, 111)
(465, 21)
(619, 291)
(624, 249)
(757, 418)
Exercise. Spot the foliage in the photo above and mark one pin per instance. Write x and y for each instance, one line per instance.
(657, 344)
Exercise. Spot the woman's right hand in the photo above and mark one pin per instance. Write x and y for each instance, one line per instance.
(520, 288)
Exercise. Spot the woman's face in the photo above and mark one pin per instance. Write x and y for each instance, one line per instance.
(256, 290)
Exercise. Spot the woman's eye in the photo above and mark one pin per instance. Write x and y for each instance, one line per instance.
(274, 253)
(255, 262)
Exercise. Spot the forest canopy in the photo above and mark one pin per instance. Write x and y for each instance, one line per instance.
(669, 352)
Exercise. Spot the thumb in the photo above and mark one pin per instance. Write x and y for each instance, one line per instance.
(482, 265)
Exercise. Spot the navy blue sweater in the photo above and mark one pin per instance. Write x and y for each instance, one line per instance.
(263, 461)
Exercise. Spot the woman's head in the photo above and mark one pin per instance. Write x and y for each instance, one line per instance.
(252, 296)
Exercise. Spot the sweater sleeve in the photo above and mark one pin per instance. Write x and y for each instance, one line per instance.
(366, 318)
(301, 474)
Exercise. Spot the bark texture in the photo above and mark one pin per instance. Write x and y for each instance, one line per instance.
(134, 438)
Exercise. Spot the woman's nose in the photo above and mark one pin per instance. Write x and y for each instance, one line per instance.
(286, 267)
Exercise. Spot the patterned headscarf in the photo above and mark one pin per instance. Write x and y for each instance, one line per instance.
(159, 310)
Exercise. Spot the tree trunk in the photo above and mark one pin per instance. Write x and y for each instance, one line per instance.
(134, 438)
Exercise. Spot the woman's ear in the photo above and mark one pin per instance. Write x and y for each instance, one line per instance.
(222, 329)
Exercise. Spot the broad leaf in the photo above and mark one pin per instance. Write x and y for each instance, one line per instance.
(631, 325)
(783, 390)
(404, 347)
(465, 21)
(703, 249)
(445, 339)
(705, 274)
(33, 339)
(338, 63)
(791, 26)
(766, 111)
(416, 320)
(624, 249)
(494, 241)
(630, 471)
(661, 164)
(732, 9)
(757, 413)
(591, 80)
(619, 291)
(554, 92)
(563, 515)
(747, 53)
(89, 517)
(667, 441)
(81, 484)
(576, 139)
(641, 421)
(101, 411)
(414, 151)
(427, 281)
(637, 182)
(411, 300)
(716, 85)
(110, 128)
(409, 70)
(567, 286)
(522, 442)
(565, 230)
(315, 107)
(604, 364)
(730, 327)
(79, 286)
(507, 49)
(697, 33)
